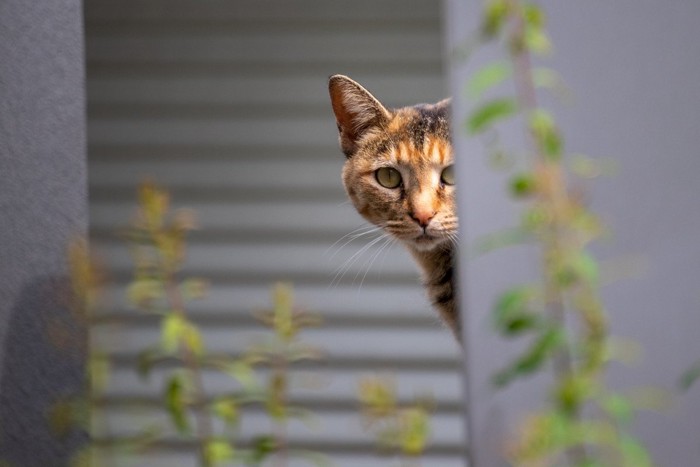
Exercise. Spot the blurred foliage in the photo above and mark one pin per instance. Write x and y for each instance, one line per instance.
(158, 243)
(401, 429)
(585, 422)
(261, 376)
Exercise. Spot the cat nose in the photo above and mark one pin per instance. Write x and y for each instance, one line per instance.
(423, 218)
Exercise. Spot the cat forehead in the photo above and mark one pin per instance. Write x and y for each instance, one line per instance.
(419, 122)
(419, 134)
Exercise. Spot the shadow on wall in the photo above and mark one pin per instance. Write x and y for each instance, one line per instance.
(43, 363)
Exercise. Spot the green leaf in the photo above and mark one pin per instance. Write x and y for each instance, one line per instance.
(535, 218)
(690, 376)
(573, 392)
(634, 453)
(585, 167)
(550, 79)
(414, 430)
(244, 373)
(619, 407)
(537, 40)
(489, 113)
(523, 185)
(175, 403)
(511, 314)
(534, 15)
(533, 358)
(192, 338)
(581, 267)
(495, 15)
(143, 291)
(546, 133)
(227, 410)
(263, 446)
(486, 78)
(586, 267)
(218, 450)
(172, 330)
(176, 330)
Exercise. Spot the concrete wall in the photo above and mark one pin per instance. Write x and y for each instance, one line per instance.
(43, 204)
(633, 67)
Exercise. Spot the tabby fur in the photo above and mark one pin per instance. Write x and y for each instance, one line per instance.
(421, 212)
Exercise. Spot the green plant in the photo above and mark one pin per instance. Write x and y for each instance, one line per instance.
(262, 375)
(562, 313)
(158, 244)
(402, 429)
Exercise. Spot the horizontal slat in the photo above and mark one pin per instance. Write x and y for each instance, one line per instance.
(416, 344)
(318, 10)
(323, 429)
(393, 90)
(245, 214)
(240, 130)
(376, 363)
(323, 386)
(349, 456)
(286, 259)
(392, 303)
(414, 46)
(224, 26)
(130, 153)
(247, 174)
(254, 67)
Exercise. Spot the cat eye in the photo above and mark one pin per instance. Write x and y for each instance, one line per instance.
(448, 175)
(388, 177)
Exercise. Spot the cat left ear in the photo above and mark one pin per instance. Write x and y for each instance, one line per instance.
(356, 111)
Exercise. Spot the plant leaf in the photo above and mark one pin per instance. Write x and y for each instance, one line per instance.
(546, 133)
(172, 330)
(533, 358)
(489, 113)
(512, 315)
(619, 407)
(690, 376)
(175, 403)
(218, 450)
(487, 77)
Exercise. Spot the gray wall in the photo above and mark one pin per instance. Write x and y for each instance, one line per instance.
(225, 103)
(44, 205)
(633, 67)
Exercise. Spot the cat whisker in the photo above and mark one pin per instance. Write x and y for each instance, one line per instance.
(382, 247)
(345, 267)
(355, 234)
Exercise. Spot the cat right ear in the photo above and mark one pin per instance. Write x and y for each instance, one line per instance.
(356, 111)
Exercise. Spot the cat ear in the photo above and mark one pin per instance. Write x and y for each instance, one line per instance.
(356, 111)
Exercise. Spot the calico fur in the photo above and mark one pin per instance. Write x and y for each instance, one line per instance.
(421, 212)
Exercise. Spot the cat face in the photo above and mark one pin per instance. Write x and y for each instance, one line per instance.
(398, 172)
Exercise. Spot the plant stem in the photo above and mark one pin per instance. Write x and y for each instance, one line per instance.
(204, 428)
(281, 426)
(554, 197)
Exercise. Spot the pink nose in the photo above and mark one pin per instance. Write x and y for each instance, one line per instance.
(423, 218)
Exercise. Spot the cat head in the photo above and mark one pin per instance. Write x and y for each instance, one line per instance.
(398, 169)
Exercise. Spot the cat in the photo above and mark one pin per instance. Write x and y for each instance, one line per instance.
(399, 175)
